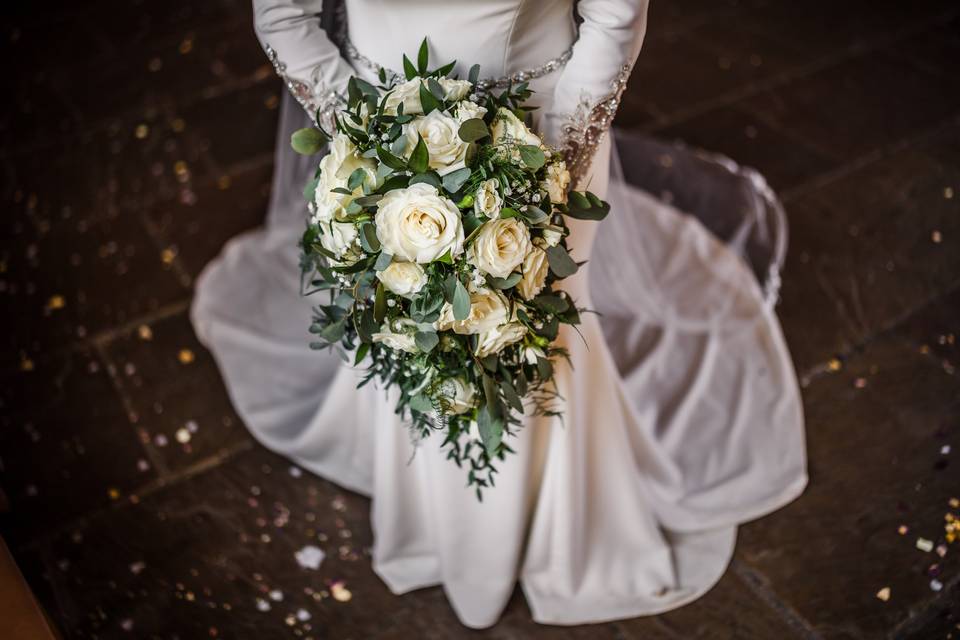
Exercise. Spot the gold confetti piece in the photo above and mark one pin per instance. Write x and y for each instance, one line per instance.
(903, 529)
(168, 255)
(113, 493)
(834, 365)
(180, 168)
(948, 193)
(56, 302)
(272, 102)
(884, 594)
(141, 132)
(186, 46)
(26, 364)
(924, 545)
(178, 125)
(185, 356)
(955, 503)
(145, 332)
(340, 592)
(936, 236)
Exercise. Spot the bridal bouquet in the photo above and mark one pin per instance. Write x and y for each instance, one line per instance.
(437, 230)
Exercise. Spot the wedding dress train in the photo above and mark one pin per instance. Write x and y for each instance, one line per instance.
(682, 415)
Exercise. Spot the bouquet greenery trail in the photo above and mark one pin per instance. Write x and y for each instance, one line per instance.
(437, 233)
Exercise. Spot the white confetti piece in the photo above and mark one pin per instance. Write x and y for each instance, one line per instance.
(924, 545)
(310, 557)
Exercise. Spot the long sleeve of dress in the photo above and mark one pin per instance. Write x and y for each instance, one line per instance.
(588, 91)
(302, 53)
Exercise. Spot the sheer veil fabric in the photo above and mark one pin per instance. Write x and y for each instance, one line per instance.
(682, 414)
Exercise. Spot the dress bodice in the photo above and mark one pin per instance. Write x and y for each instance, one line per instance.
(502, 36)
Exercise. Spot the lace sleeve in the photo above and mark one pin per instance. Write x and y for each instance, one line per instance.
(588, 91)
(302, 54)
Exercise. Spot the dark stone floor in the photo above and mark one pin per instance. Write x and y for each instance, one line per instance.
(136, 138)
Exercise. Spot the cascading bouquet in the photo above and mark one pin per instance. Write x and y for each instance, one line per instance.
(437, 228)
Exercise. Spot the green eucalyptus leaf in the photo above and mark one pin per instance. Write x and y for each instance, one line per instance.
(436, 89)
(390, 159)
(505, 283)
(461, 301)
(551, 303)
(310, 191)
(428, 177)
(560, 261)
(454, 180)
(307, 141)
(383, 261)
(426, 340)
(491, 431)
(586, 206)
(356, 179)
(361, 353)
(473, 129)
(532, 156)
(368, 238)
(474, 74)
(421, 403)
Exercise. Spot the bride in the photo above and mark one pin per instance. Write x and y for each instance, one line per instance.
(682, 416)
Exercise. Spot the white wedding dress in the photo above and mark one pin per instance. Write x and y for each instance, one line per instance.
(682, 415)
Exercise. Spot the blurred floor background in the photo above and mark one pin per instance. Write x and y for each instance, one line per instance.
(137, 137)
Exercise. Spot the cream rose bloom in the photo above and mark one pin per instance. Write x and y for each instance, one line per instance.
(535, 267)
(467, 110)
(494, 340)
(552, 237)
(459, 395)
(403, 278)
(487, 200)
(409, 94)
(557, 182)
(417, 224)
(500, 247)
(335, 168)
(396, 339)
(339, 238)
(487, 310)
(441, 134)
(507, 126)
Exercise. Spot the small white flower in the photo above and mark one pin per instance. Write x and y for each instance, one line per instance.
(557, 182)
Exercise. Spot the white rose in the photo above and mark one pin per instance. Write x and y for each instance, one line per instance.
(459, 395)
(409, 94)
(535, 267)
(335, 168)
(557, 182)
(467, 110)
(399, 340)
(403, 278)
(495, 339)
(441, 134)
(552, 237)
(454, 89)
(487, 200)
(507, 126)
(338, 238)
(417, 224)
(500, 247)
(487, 310)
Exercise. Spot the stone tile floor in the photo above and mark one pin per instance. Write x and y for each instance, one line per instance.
(137, 137)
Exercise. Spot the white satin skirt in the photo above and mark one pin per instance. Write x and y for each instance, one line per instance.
(682, 413)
